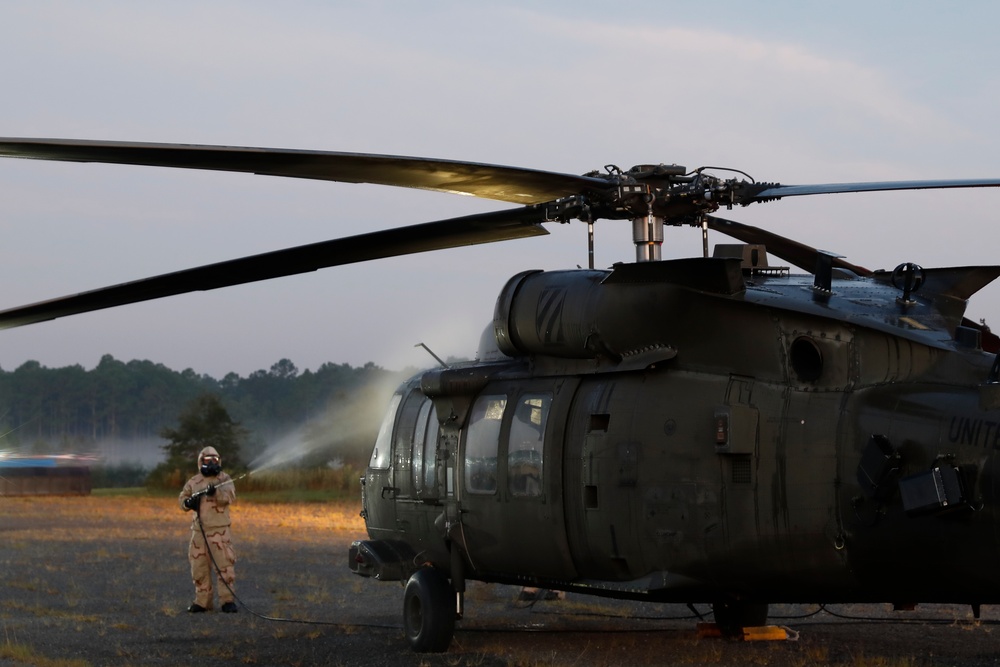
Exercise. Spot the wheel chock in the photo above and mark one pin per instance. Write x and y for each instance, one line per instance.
(765, 633)
(748, 634)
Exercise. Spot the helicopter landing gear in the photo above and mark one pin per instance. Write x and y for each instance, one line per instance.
(429, 611)
(732, 615)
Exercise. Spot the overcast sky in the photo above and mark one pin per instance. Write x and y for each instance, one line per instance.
(795, 92)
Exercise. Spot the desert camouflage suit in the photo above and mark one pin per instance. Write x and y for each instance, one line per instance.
(213, 512)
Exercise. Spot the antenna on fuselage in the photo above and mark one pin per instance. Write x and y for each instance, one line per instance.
(430, 352)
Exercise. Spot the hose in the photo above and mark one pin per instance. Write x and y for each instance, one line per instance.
(278, 619)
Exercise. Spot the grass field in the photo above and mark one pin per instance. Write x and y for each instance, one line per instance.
(103, 580)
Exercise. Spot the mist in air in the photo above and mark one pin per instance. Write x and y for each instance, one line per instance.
(343, 434)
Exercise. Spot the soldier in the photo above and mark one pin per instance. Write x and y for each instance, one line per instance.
(209, 494)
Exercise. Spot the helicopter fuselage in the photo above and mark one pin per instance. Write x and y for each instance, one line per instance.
(690, 431)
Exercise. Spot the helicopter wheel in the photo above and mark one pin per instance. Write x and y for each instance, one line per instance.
(732, 616)
(429, 611)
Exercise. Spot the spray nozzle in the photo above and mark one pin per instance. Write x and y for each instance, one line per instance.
(209, 490)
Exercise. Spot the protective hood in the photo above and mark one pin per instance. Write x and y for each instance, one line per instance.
(211, 468)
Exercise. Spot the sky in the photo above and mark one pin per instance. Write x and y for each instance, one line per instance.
(793, 92)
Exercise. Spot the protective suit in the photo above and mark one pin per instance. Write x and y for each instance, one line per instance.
(209, 494)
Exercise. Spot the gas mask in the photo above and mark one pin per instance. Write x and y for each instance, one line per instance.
(210, 466)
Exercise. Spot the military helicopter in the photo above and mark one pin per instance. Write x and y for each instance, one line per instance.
(703, 430)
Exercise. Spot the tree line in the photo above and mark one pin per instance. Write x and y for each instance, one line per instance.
(70, 409)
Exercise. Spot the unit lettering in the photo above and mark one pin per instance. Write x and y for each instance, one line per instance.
(976, 432)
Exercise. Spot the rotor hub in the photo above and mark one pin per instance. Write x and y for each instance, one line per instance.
(652, 196)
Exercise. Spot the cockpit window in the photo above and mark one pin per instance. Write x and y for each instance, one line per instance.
(482, 441)
(430, 451)
(382, 453)
(527, 444)
(424, 449)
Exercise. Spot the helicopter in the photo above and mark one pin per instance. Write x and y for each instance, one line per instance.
(709, 429)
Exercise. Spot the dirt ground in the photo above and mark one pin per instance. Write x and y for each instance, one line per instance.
(104, 581)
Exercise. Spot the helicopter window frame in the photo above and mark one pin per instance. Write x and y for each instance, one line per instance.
(526, 444)
(417, 448)
(407, 423)
(482, 444)
(424, 456)
(431, 468)
(382, 451)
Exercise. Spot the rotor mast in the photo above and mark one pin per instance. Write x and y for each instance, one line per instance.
(647, 234)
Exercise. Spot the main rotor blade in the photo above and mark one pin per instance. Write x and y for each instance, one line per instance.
(835, 188)
(793, 252)
(455, 232)
(489, 181)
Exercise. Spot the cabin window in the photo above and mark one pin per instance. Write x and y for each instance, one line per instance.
(527, 440)
(382, 453)
(482, 440)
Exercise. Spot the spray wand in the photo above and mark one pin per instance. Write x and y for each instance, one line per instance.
(195, 499)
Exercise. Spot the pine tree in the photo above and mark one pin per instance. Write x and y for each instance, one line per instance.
(204, 422)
